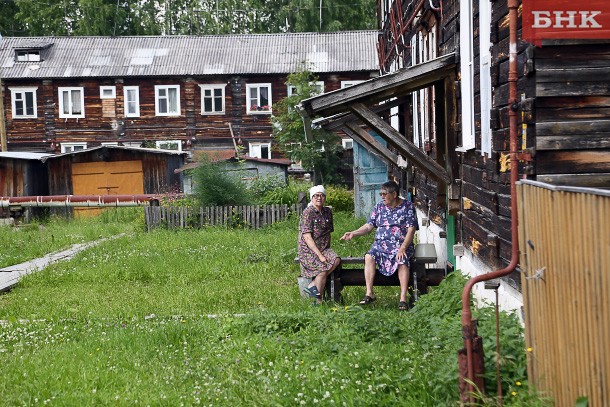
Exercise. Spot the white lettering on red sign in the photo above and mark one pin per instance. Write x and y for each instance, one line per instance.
(566, 19)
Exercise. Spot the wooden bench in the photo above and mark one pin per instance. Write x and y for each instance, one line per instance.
(350, 273)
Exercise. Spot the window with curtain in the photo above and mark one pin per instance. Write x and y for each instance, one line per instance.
(167, 100)
(71, 102)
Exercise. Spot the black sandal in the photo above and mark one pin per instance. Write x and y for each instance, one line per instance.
(403, 306)
(367, 300)
(313, 292)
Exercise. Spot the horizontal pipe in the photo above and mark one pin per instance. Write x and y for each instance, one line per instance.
(77, 200)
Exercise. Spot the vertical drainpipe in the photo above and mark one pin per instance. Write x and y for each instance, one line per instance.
(468, 328)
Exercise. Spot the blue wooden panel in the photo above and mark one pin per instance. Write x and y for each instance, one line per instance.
(369, 173)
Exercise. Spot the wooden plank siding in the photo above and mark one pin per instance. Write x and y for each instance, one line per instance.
(105, 119)
(572, 130)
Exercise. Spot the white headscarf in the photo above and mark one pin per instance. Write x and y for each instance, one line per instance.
(316, 189)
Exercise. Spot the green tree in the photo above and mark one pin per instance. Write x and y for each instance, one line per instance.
(321, 153)
(335, 15)
(182, 17)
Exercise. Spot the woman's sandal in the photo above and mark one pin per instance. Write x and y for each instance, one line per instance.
(367, 300)
(403, 306)
(313, 292)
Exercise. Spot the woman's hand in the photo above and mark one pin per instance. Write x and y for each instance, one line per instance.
(347, 236)
(322, 258)
(402, 254)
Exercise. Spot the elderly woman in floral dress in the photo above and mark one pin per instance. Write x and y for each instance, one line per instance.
(317, 259)
(396, 222)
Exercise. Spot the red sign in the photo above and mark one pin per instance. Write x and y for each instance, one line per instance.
(565, 19)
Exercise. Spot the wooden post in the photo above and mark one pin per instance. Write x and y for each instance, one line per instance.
(3, 141)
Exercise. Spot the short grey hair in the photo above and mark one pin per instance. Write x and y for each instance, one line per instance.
(390, 186)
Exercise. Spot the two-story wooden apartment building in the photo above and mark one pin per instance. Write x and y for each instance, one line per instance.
(187, 93)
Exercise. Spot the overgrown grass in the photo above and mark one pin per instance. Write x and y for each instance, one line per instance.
(29, 241)
(214, 317)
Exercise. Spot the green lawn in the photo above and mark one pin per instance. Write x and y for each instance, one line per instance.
(214, 317)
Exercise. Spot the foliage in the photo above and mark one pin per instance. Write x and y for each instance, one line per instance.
(214, 186)
(321, 153)
(182, 17)
(340, 198)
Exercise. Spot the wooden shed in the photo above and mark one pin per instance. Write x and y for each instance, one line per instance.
(114, 170)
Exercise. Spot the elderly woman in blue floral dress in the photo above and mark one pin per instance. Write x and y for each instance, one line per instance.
(317, 259)
(396, 222)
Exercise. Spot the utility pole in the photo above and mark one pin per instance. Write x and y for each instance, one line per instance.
(320, 29)
(2, 118)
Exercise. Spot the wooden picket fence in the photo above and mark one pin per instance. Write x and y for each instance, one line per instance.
(246, 216)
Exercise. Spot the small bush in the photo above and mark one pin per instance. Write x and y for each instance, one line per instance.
(340, 198)
(214, 186)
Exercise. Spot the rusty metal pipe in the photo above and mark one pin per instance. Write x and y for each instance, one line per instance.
(467, 325)
(77, 200)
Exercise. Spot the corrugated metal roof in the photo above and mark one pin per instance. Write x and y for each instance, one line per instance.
(23, 155)
(191, 55)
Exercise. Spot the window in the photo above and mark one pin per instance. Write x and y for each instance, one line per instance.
(347, 84)
(258, 98)
(260, 150)
(318, 84)
(212, 99)
(175, 145)
(111, 143)
(347, 143)
(423, 49)
(24, 102)
(71, 147)
(27, 56)
(132, 101)
(71, 102)
(167, 100)
(107, 92)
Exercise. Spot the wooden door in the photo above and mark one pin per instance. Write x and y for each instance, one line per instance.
(106, 178)
(369, 173)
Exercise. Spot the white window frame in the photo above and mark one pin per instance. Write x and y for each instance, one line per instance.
(256, 150)
(212, 88)
(69, 91)
(159, 144)
(250, 102)
(318, 84)
(347, 84)
(347, 143)
(15, 92)
(110, 143)
(112, 90)
(27, 56)
(485, 75)
(467, 75)
(135, 101)
(423, 49)
(72, 147)
(158, 98)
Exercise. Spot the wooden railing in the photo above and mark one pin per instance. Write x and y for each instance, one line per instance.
(254, 216)
(564, 236)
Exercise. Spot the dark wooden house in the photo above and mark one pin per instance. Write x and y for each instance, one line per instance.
(472, 107)
(442, 104)
(185, 93)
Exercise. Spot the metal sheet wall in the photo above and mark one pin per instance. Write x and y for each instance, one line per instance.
(565, 257)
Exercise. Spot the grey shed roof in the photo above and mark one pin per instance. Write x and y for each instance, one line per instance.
(64, 57)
